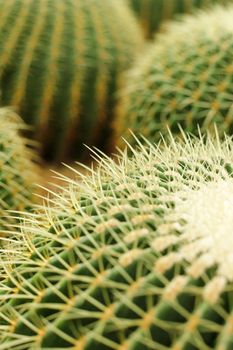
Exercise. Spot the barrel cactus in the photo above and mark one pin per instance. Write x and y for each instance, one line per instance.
(138, 255)
(60, 64)
(17, 171)
(152, 13)
(185, 78)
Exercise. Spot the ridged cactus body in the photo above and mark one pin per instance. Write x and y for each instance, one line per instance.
(152, 13)
(185, 78)
(17, 171)
(138, 255)
(60, 64)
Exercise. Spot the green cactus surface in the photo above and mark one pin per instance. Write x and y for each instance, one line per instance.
(17, 170)
(152, 13)
(185, 78)
(137, 255)
(60, 64)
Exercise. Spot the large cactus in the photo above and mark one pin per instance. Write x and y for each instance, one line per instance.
(17, 172)
(186, 78)
(60, 64)
(152, 13)
(136, 256)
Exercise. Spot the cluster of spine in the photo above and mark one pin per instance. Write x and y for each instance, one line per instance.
(185, 78)
(152, 13)
(17, 171)
(61, 62)
(125, 259)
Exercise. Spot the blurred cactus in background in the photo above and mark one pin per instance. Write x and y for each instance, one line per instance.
(17, 171)
(60, 64)
(152, 13)
(185, 78)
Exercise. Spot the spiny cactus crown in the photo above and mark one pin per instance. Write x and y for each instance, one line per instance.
(185, 78)
(17, 171)
(135, 256)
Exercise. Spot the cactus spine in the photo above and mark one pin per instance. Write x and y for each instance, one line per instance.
(188, 83)
(60, 64)
(137, 256)
(17, 171)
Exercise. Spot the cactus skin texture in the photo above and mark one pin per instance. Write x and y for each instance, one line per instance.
(17, 170)
(152, 13)
(188, 83)
(137, 255)
(61, 62)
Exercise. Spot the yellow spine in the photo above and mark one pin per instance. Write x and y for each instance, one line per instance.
(79, 75)
(103, 59)
(188, 5)
(168, 9)
(21, 82)
(80, 48)
(145, 14)
(14, 35)
(5, 10)
(52, 71)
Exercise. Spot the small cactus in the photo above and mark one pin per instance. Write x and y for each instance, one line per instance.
(17, 171)
(152, 13)
(61, 62)
(138, 255)
(185, 78)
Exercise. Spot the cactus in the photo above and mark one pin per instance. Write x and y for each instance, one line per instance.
(137, 255)
(60, 64)
(17, 171)
(152, 13)
(187, 83)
